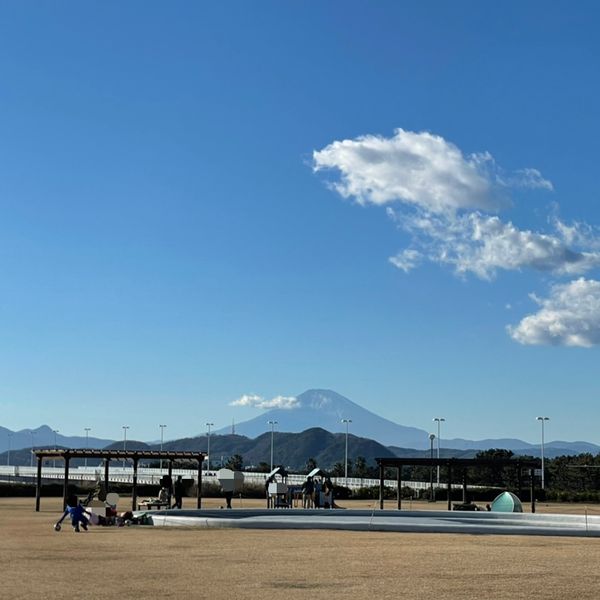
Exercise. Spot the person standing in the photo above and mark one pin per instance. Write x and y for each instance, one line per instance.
(178, 492)
(308, 489)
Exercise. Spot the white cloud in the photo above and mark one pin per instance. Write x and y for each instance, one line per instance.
(419, 169)
(569, 317)
(406, 260)
(443, 200)
(528, 178)
(482, 245)
(284, 402)
(578, 234)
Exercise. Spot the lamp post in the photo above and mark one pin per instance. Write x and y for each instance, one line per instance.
(162, 429)
(125, 428)
(347, 422)
(8, 455)
(439, 421)
(208, 426)
(87, 442)
(272, 424)
(431, 438)
(542, 420)
(32, 447)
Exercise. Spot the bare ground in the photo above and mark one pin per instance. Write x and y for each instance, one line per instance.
(146, 562)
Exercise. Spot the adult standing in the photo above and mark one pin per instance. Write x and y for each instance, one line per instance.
(178, 492)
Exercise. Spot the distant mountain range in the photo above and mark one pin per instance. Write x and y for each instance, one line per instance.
(44, 437)
(317, 415)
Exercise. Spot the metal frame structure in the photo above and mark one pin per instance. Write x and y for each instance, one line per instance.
(455, 465)
(107, 455)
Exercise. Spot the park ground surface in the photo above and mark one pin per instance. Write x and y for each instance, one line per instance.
(145, 562)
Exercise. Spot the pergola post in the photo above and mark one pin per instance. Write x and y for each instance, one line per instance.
(449, 485)
(399, 484)
(66, 481)
(381, 485)
(464, 486)
(38, 484)
(170, 474)
(520, 479)
(199, 490)
(532, 489)
(106, 463)
(135, 481)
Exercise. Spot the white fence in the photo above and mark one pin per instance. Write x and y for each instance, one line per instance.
(152, 476)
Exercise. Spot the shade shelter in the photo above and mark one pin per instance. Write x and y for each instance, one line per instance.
(107, 455)
(458, 466)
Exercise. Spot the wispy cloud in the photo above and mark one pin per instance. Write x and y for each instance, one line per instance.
(252, 400)
(447, 202)
(483, 244)
(570, 316)
(441, 198)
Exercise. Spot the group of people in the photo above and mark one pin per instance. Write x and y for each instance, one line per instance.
(80, 516)
(164, 495)
(317, 493)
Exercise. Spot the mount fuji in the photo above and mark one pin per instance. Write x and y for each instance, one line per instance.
(326, 409)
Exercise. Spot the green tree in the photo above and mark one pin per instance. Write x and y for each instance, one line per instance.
(360, 466)
(235, 462)
(311, 464)
(338, 470)
(499, 475)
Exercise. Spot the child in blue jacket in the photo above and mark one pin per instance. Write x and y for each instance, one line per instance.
(77, 512)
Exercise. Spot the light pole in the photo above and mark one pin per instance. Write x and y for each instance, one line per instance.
(541, 420)
(347, 422)
(87, 442)
(272, 424)
(8, 455)
(439, 421)
(125, 428)
(208, 426)
(431, 438)
(54, 431)
(162, 429)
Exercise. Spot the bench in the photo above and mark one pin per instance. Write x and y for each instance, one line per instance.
(148, 505)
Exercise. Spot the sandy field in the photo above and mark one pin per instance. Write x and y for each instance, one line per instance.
(145, 562)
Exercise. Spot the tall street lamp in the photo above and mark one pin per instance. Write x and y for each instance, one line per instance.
(542, 420)
(162, 429)
(431, 438)
(87, 442)
(208, 426)
(347, 422)
(32, 447)
(125, 428)
(439, 421)
(272, 424)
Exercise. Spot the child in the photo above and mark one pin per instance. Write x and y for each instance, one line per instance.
(78, 514)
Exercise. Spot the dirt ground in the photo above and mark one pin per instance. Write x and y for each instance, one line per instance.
(157, 563)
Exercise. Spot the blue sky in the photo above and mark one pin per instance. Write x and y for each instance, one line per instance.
(172, 237)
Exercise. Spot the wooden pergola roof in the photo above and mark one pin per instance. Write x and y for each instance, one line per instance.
(135, 456)
(454, 464)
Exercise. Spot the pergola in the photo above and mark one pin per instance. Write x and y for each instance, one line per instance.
(107, 455)
(459, 465)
